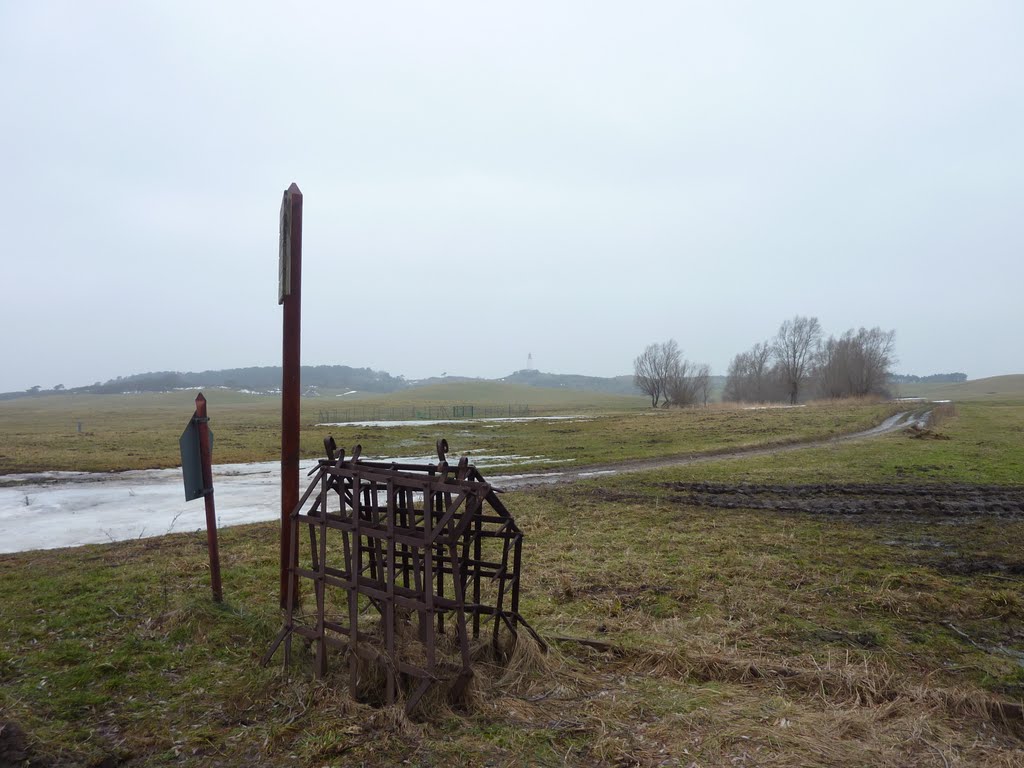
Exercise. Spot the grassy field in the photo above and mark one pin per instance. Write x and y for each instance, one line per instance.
(726, 637)
(993, 389)
(141, 431)
(976, 443)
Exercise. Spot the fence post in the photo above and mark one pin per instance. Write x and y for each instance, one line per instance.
(290, 295)
(203, 427)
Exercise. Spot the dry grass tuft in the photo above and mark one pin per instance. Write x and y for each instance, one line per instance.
(839, 682)
(940, 413)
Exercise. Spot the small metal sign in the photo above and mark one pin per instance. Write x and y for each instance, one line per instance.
(284, 256)
(191, 461)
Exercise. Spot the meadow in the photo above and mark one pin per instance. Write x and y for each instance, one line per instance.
(711, 636)
(141, 431)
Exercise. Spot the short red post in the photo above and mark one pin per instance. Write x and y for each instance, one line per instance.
(203, 425)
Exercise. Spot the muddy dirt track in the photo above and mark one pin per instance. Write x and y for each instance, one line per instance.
(848, 499)
(905, 420)
(955, 500)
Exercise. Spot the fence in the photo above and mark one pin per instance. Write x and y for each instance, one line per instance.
(416, 412)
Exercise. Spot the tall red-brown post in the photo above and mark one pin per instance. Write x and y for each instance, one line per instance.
(203, 427)
(290, 295)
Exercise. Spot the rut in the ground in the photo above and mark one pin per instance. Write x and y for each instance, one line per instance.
(856, 499)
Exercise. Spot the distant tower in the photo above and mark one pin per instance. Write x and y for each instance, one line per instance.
(529, 361)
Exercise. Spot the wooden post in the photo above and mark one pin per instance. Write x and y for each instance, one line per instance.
(203, 426)
(290, 295)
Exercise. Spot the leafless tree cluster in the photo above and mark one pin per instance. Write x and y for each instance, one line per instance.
(798, 362)
(795, 346)
(856, 363)
(668, 378)
(752, 376)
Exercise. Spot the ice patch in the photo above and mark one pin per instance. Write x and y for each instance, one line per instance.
(67, 509)
(431, 422)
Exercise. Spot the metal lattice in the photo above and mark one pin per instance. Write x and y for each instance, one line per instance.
(391, 543)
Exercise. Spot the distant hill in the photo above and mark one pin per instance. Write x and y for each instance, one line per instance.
(267, 380)
(614, 385)
(1009, 388)
(256, 379)
(935, 378)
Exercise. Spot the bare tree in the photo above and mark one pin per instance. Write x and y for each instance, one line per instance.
(856, 364)
(654, 368)
(760, 370)
(878, 358)
(646, 375)
(703, 382)
(751, 377)
(737, 378)
(667, 378)
(669, 364)
(688, 384)
(794, 347)
(680, 389)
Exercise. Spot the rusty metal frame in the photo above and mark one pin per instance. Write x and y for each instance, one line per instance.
(429, 541)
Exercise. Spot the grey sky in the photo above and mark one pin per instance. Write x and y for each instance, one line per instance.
(486, 180)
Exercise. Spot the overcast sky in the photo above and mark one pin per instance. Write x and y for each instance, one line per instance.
(487, 180)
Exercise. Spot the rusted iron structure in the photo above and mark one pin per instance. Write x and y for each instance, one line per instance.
(398, 553)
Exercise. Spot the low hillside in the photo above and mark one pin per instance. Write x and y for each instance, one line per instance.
(617, 385)
(994, 388)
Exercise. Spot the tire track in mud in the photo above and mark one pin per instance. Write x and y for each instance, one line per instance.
(899, 421)
(867, 499)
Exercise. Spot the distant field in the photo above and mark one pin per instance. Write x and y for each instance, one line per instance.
(980, 443)
(501, 393)
(996, 388)
(141, 431)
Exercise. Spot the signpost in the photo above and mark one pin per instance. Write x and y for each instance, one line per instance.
(289, 293)
(196, 445)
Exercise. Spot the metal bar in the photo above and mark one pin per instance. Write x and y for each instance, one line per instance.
(321, 583)
(477, 563)
(354, 567)
(389, 610)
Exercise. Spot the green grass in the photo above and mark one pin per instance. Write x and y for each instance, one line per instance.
(726, 623)
(993, 389)
(738, 637)
(501, 393)
(142, 431)
(984, 444)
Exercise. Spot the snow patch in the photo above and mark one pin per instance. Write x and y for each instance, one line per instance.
(431, 422)
(47, 510)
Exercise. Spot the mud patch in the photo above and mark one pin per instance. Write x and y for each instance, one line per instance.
(960, 566)
(923, 433)
(954, 500)
(13, 744)
(654, 599)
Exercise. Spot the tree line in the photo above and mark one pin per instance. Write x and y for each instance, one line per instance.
(796, 364)
(935, 378)
(664, 375)
(799, 363)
